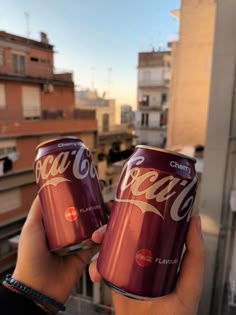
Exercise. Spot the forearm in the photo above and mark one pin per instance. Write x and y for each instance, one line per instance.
(12, 303)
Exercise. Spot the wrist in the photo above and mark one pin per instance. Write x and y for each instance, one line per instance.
(49, 305)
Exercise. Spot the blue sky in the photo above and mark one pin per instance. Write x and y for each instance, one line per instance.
(99, 40)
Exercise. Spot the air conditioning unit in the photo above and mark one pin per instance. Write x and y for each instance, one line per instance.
(48, 88)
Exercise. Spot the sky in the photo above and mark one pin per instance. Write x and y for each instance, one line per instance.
(97, 40)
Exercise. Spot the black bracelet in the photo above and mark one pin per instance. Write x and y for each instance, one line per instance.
(33, 293)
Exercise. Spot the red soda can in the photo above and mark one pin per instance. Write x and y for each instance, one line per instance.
(146, 231)
(70, 195)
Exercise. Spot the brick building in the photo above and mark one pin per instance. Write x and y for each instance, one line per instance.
(37, 103)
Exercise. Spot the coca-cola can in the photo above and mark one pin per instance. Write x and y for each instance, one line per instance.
(146, 231)
(70, 194)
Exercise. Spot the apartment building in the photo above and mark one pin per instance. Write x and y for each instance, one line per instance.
(191, 73)
(202, 111)
(115, 139)
(154, 71)
(127, 114)
(37, 103)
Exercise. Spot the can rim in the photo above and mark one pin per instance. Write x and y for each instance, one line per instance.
(166, 151)
(56, 139)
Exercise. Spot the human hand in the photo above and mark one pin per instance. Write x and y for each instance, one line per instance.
(184, 300)
(36, 267)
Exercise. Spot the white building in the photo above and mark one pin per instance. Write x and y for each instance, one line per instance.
(153, 93)
(107, 112)
(115, 140)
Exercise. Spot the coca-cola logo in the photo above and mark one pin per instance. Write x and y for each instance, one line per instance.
(148, 187)
(144, 257)
(71, 214)
(52, 167)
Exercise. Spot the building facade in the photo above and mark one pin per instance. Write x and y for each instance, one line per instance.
(127, 114)
(115, 139)
(191, 73)
(36, 104)
(202, 110)
(154, 71)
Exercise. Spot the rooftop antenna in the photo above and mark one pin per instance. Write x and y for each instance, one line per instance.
(27, 16)
(109, 81)
(92, 78)
(160, 43)
(152, 47)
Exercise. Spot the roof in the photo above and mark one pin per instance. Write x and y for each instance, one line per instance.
(24, 40)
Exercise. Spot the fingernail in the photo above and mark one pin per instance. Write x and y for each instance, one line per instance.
(92, 274)
(102, 229)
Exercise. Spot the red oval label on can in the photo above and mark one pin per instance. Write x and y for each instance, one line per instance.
(144, 257)
(71, 214)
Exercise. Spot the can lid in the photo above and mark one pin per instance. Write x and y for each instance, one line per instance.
(57, 139)
(166, 151)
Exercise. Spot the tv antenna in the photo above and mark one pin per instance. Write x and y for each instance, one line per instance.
(109, 81)
(27, 16)
(92, 78)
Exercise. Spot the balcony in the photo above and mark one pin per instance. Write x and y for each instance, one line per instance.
(146, 106)
(150, 126)
(80, 114)
(37, 73)
(153, 83)
(60, 126)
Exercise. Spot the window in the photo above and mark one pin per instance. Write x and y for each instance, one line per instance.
(144, 119)
(7, 146)
(45, 61)
(163, 98)
(31, 102)
(1, 56)
(105, 122)
(145, 100)
(163, 120)
(2, 96)
(18, 63)
(8, 155)
(34, 59)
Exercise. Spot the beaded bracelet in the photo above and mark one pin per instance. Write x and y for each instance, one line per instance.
(33, 294)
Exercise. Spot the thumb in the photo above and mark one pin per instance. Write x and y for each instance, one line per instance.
(190, 279)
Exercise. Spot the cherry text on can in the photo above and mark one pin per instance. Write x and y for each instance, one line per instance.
(146, 232)
(70, 195)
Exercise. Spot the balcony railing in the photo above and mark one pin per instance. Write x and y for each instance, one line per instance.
(38, 71)
(153, 83)
(79, 305)
(139, 125)
(156, 106)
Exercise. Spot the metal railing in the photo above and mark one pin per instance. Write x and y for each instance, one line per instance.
(152, 83)
(78, 305)
(43, 71)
